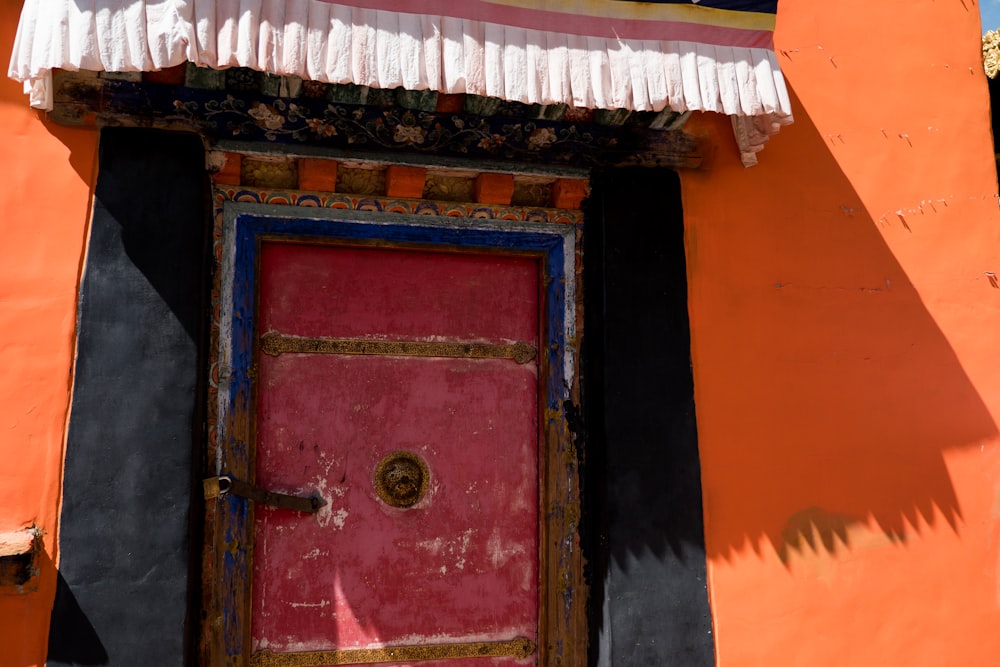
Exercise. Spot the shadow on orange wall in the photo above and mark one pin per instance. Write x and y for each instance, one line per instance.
(79, 141)
(826, 393)
(87, 648)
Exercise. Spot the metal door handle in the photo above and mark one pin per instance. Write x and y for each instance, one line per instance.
(215, 487)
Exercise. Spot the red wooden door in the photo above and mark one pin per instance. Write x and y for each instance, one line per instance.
(360, 365)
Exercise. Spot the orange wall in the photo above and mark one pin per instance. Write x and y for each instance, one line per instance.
(843, 325)
(845, 342)
(44, 206)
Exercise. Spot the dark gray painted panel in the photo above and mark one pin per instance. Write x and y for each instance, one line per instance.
(125, 532)
(650, 601)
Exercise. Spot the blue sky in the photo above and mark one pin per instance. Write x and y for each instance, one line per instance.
(989, 10)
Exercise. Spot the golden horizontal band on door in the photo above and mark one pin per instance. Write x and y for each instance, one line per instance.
(518, 648)
(276, 343)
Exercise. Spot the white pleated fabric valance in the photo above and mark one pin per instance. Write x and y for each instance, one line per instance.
(588, 53)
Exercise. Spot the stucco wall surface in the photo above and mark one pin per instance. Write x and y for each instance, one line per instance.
(845, 318)
(844, 314)
(44, 199)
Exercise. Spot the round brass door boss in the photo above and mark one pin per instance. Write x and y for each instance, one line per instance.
(401, 479)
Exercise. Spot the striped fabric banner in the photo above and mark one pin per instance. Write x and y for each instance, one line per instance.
(744, 23)
(703, 55)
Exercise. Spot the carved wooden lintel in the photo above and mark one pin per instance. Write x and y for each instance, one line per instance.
(520, 134)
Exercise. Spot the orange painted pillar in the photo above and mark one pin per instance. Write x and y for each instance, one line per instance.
(44, 208)
(843, 328)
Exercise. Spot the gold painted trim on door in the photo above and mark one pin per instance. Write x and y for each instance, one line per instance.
(518, 648)
(274, 343)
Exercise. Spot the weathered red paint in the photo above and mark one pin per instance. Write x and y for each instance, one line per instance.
(312, 290)
(461, 564)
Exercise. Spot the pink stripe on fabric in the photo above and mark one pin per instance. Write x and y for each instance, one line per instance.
(576, 24)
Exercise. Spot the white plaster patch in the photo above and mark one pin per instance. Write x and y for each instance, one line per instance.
(327, 514)
(456, 549)
(215, 160)
(17, 542)
(499, 552)
(522, 496)
(314, 554)
(309, 605)
(463, 548)
(527, 576)
(339, 518)
(325, 462)
(433, 547)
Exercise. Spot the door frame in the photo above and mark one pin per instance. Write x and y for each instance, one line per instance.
(228, 548)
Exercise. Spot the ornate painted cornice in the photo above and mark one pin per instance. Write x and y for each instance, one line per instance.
(342, 118)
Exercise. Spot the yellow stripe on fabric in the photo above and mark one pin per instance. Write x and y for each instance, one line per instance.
(648, 11)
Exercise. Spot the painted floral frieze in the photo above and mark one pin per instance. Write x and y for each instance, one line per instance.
(226, 116)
